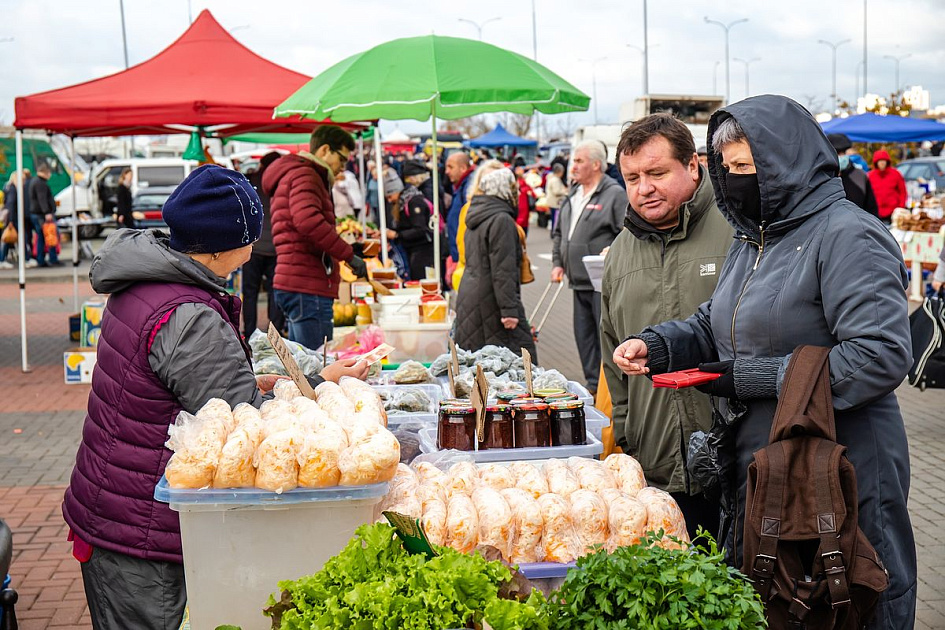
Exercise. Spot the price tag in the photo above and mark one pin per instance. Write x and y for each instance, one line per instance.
(478, 398)
(452, 378)
(527, 358)
(455, 359)
(288, 361)
(410, 531)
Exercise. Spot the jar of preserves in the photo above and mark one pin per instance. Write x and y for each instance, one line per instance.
(551, 391)
(499, 432)
(530, 422)
(568, 423)
(456, 427)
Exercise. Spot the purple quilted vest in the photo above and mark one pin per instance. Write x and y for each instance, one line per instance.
(110, 500)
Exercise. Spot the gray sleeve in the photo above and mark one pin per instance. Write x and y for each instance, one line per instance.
(556, 238)
(197, 356)
(688, 342)
(869, 317)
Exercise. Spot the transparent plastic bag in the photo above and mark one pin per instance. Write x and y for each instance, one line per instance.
(408, 434)
(495, 520)
(462, 523)
(548, 379)
(592, 474)
(561, 480)
(558, 536)
(589, 516)
(409, 400)
(318, 460)
(265, 360)
(197, 443)
(372, 461)
(277, 463)
(411, 373)
(626, 519)
(529, 478)
(528, 526)
(235, 468)
(627, 472)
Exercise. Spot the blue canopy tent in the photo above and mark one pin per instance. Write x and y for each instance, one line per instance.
(876, 128)
(500, 137)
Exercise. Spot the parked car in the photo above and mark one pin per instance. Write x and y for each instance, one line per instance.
(927, 168)
(148, 204)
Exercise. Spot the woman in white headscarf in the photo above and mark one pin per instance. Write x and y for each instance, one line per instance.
(489, 308)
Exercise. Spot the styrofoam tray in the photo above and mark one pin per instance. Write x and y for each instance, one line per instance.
(255, 496)
(592, 448)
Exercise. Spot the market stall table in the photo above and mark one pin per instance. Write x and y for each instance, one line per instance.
(918, 248)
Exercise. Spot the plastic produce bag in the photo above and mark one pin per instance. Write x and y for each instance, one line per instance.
(265, 360)
(527, 526)
(318, 460)
(434, 521)
(496, 359)
(439, 365)
(662, 512)
(410, 373)
(277, 464)
(626, 519)
(496, 476)
(627, 471)
(495, 520)
(592, 474)
(589, 515)
(409, 400)
(235, 468)
(559, 538)
(561, 480)
(372, 461)
(197, 443)
(548, 379)
(286, 389)
(462, 524)
(529, 478)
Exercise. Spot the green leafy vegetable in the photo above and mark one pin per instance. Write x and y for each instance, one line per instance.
(375, 584)
(646, 586)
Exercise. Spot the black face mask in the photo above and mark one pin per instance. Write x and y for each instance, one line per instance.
(743, 196)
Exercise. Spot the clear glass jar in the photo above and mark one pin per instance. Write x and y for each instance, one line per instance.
(568, 423)
(531, 424)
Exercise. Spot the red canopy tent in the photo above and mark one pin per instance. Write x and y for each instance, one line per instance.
(204, 79)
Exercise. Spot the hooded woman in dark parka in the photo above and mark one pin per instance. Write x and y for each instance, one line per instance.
(808, 268)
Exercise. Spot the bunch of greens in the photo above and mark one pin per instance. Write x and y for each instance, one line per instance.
(375, 584)
(646, 586)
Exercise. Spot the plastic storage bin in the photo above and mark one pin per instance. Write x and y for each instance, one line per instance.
(596, 421)
(238, 544)
(593, 448)
(420, 342)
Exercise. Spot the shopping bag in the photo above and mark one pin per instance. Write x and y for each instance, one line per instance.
(51, 235)
(10, 235)
(927, 326)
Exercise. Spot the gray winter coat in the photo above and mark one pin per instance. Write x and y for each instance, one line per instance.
(599, 225)
(821, 272)
(195, 353)
(491, 289)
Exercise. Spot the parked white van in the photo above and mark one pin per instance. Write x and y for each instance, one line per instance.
(96, 195)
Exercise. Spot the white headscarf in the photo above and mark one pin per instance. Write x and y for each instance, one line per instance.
(500, 183)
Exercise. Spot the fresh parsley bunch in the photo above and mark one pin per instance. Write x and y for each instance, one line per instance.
(646, 586)
(375, 584)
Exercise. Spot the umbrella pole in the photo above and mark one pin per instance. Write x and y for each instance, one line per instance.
(75, 234)
(381, 200)
(436, 195)
(21, 247)
(361, 183)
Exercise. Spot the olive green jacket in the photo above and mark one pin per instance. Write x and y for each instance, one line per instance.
(651, 277)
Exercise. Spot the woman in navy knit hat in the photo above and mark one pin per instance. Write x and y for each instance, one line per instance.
(169, 342)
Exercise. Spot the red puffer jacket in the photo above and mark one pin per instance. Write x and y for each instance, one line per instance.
(303, 227)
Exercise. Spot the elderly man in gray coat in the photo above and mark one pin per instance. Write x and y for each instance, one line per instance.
(590, 218)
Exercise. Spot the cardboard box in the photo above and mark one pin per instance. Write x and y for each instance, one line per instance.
(78, 365)
(344, 293)
(91, 325)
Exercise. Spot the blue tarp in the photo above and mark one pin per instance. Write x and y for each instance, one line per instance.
(499, 137)
(876, 128)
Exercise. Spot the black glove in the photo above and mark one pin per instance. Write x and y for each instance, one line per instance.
(358, 267)
(722, 387)
(358, 249)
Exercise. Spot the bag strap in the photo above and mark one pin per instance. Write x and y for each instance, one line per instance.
(835, 572)
(806, 404)
(766, 559)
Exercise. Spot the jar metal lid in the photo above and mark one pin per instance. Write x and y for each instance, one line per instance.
(551, 391)
(568, 404)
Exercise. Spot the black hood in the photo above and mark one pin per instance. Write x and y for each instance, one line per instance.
(484, 207)
(796, 164)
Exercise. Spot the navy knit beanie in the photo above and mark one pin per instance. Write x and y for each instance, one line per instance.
(213, 210)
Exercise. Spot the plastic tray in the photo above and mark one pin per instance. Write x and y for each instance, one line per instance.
(254, 496)
(434, 391)
(596, 421)
(591, 449)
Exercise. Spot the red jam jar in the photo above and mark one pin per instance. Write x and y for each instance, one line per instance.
(499, 429)
(531, 423)
(456, 427)
(568, 423)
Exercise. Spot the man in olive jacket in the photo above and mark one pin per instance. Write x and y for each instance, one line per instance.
(662, 266)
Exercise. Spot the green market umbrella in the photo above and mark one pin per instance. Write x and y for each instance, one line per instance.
(432, 77)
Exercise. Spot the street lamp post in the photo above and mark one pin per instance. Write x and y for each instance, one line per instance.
(747, 63)
(715, 78)
(859, 65)
(643, 52)
(646, 54)
(479, 25)
(594, 63)
(897, 60)
(833, 47)
(726, 28)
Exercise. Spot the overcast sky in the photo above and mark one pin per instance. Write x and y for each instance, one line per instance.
(59, 43)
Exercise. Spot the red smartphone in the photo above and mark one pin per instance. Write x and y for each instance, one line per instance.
(685, 378)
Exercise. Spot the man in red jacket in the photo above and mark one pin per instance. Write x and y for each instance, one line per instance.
(308, 249)
(888, 186)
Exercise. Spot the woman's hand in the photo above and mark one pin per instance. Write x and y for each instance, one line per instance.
(510, 323)
(391, 235)
(265, 382)
(630, 357)
(347, 367)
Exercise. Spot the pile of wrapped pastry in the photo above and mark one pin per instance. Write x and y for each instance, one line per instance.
(555, 512)
(340, 438)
